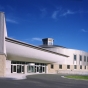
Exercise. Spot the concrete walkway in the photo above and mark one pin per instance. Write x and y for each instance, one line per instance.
(18, 76)
(15, 76)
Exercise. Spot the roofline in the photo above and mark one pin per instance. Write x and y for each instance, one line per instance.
(48, 46)
(8, 39)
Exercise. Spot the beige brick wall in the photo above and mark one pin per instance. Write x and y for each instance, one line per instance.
(2, 65)
(64, 68)
(56, 67)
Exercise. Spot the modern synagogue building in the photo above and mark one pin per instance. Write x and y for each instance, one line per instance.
(20, 57)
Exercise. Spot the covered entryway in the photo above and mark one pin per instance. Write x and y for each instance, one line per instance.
(17, 68)
(36, 68)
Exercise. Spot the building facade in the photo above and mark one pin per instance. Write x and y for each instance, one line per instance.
(20, 57)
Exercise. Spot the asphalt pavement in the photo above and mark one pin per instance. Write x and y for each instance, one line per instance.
(43, 81)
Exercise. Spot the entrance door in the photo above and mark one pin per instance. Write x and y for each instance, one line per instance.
(40, 69)
(13, 69)
(22, 70)
(18, 68)
(37, 69)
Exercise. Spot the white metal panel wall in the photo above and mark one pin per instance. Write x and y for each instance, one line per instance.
(71, 53)
(29, 52)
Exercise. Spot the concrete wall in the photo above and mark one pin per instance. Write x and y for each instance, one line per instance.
(8, 66)
(2, 65)
(2, 34)
(2, 45)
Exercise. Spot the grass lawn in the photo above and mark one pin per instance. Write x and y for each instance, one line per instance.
(82, 77)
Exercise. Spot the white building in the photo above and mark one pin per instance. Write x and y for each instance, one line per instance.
(20, 57)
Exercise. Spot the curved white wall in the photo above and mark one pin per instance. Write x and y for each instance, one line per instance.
(28, 52)
(71, 53)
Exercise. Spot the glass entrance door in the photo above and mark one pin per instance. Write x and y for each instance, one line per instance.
(13, 69)
(36, 68)
(30, 69)
(17, 68)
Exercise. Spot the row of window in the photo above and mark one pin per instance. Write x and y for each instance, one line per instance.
(21, 62)
(80, 57)
(68, 66)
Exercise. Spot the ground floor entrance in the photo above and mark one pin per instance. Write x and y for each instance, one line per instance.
(36, 68)
(19, 67)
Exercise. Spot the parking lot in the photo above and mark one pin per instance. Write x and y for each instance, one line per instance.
(43, 81)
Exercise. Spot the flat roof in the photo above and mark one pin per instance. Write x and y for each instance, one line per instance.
(32, 46)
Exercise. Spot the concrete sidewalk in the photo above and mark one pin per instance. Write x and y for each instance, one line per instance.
(18, 76)
(15, 76)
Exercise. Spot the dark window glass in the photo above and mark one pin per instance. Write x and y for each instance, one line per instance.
(75, 66)
(13, 62)
(23, 62)
(37, 63)
(14, 69)
(74, 57)
(85, 58)
(22, 68)
(52, 66)
(43, 69)
(11, 68)
(60, 66)
(85, 67)
(80, 66)
(18, 62)
(68, 66)
(80, 58)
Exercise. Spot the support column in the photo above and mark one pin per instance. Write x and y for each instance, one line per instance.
(2, 65)
(2, 45)
(46, 69)
(25, 69)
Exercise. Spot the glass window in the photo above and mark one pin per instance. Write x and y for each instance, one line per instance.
(68, 66)
(13, 62)
(50, 43)
(14, 67)
(52, 66)
(80, 66)
(60, 66)
(74, 57)
(23, 62)
(85, 67)
(75, 66)
(18, 62)
(85, 58)
(80, 57)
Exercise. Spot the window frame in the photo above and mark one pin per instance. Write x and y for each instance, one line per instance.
(85, 67)
(75, 59)
(80, 66)
(80, 57)
(60, 67)
(84, 58)
(68, 66)
(87, 58)
(75, 66)
(52, 66)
